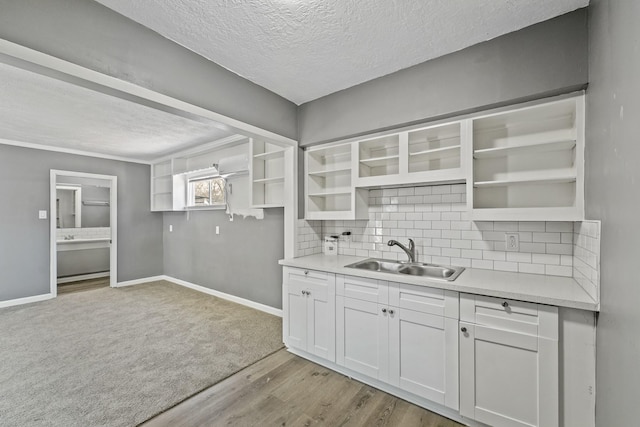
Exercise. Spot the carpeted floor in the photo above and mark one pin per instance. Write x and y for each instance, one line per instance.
(116, 357)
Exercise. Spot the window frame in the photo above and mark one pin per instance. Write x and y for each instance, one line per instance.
(191, 192)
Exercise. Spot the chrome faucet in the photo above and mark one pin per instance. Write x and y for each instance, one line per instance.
(410, 251)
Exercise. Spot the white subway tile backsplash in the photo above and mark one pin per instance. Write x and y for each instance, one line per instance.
(505, 266)
(586, 256)
(434, 216)
(508, 226)
(560, 248)
(519, 257)
(558, 270)
(531, 226)
(481, 263)
(494, 255)
(442, 189)
(531, 268)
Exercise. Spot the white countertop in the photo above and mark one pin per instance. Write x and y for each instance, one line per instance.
(551, 290)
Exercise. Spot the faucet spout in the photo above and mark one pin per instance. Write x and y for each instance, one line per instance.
(410, 251)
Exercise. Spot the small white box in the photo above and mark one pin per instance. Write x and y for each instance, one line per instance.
(330, 245)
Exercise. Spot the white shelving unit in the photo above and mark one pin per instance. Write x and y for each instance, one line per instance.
(437, 152)
(524, 163)
(377, 158)
(528, 163)
(267, 174)
(328, 184)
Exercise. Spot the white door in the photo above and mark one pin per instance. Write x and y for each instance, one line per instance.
(321, 322)
(295, 316)
(424, 355)
(362, 337)
(508, 378)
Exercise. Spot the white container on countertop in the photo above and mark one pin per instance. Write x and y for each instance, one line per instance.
(330, 245)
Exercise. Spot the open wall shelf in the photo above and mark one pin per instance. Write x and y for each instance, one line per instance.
(266, 174)
(519, 163)
(529, 158)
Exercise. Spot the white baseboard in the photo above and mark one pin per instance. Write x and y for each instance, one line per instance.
(27, 300)
(228, 297)
(139, 281)
(82, 277)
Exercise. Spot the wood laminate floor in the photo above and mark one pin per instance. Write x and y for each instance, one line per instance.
(83, 285)
(286, 390)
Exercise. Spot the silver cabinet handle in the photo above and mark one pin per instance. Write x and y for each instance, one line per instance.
(463, 329)
(505, 304)
(390, 311)
(384, 310)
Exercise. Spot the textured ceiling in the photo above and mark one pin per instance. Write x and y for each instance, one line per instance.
(41, 110)
(305, 49)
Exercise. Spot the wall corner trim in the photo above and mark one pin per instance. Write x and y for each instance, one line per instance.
(26, 300)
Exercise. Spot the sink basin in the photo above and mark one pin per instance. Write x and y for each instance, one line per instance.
(431, 271)
(373, 264)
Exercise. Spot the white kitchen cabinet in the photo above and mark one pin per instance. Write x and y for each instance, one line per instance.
(266, 174)
(414, 349)
(432, 154)
(528, 163)
(163, 196)
(508, 362)
(309, 311)
(362, 337)
(329, 190)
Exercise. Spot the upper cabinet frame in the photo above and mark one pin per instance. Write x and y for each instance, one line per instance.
(523, 162)
(528, 163)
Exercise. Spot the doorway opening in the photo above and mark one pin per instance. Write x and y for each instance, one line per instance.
(83, 231)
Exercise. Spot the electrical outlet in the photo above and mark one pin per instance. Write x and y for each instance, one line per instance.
(217, 229)
(170, 228)
(512, 242)
(42, 214)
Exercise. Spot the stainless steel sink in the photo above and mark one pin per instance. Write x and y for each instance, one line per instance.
(431, 271)
(373, 264)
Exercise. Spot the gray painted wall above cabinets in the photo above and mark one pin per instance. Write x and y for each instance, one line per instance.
(545, 59)
(24, 246)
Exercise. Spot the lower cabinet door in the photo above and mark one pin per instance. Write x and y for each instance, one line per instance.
(508, 378)
(321, 322)
(424, 355)
(294, 321)
(362, 337)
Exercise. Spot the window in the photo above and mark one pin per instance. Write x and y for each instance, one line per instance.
(207, 192)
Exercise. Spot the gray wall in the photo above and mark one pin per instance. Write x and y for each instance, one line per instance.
(242, 260)
(542, 60)
(612, 195)
(92, 215)
(93, 36)
(24, 239)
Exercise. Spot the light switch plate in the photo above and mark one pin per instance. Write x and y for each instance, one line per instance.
(42, 214)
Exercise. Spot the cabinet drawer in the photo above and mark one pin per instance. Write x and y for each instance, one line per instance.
(424, 299)
(362, 289)
(510, 315)
(306, 277)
